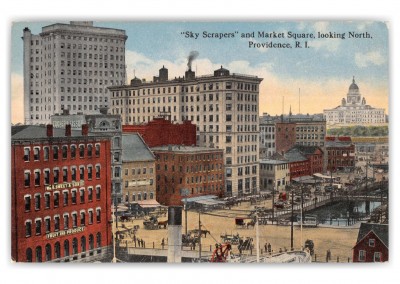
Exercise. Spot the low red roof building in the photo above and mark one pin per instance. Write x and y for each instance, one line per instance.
(372, 243)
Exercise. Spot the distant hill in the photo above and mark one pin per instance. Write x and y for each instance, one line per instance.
(359, 131)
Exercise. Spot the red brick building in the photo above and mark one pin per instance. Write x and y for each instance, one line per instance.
(60, 193)
(285, 137)
(198, 169)
(372, 243)
(315, 155)
(172, 134)
(341, 153)
(299, 165)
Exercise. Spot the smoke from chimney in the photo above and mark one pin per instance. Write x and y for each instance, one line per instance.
(192, 56)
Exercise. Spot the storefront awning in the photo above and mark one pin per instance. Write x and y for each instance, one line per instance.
(151, 203)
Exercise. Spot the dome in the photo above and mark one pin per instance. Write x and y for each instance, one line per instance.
(353, 85)
(136, 81)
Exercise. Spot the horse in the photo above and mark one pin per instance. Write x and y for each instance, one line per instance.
(163, 223)
(251, 224)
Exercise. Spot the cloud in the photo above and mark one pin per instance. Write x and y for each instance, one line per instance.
(321, 27)
(17, 98)
(373, 57)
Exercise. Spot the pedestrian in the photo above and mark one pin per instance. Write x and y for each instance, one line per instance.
(266, 247)
(162, 243)
(144, 244)
(269, 248)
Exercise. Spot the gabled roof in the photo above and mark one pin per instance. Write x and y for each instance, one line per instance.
(134, 149)
(294, 155)
(380, 230)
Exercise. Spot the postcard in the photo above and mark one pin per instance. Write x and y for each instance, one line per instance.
(236, 142)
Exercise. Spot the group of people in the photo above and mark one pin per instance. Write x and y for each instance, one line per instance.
(268, 247)
(139, 242)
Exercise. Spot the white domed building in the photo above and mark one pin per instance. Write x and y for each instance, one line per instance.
(354, 110)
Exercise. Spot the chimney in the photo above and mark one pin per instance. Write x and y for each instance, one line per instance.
(49, 130)
(68, 130)
(174, 234)
(85, 129)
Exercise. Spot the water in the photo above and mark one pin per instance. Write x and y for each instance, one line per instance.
(343, 213)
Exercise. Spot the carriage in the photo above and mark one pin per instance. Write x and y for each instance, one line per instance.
(246, 244)
(232, 239)
(151, 223)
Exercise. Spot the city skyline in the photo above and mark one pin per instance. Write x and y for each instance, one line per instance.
(296, 79)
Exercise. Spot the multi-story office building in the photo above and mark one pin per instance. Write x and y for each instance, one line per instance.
(223, 106)
(267, 136)
(69, 66)
(60, 194)
(198, 170)
(354, 110)
(138, 169)
(104, 124)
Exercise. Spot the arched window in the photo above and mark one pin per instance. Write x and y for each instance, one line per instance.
(98, 240)
(83, 244)
(75, 246)
(83, 221)
(48, 252)
(57, 252)
(91, 242)
(81, 151)
(28, 255)
(97, 150)
(66, 248)
(89, 150)
(38, 254)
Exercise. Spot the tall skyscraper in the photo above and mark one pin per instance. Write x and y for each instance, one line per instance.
(224, 107)
(68, 67)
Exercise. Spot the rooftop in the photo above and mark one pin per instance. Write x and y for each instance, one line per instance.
(380, 230)
(184, 149)
(134, 149)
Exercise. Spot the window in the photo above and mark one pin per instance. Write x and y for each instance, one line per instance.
(361, 255)
(38, 224)
(81, 151)
(38, 252)
(47, 224)
(75, 246)
(98, 192)
(83, 244)
(46, 177)
(46, 153)
(90, 217)
(56, 175)
(37, 202)
(377, 257)
(73, 174)
(65, 175)
(66, 222)
(27, 178)
(81, 173)
(90, 194)
(28, 255)
(97, 171)
(37, 178)
(82, 195)
(47, 200)
(97, 150)
(89, 150)
(98, 240)
(27, 203)
(57, 250)
(90, 174)
(91, 242)
(65, 198)
(66, 248)
(56, 223)
(64, 151)
(371, 242)
(83, 218)
(56, 199)
(74, 220)
(28, 228)
(27, 153)
(55, 152)
(98, 215)
(73, 151)
(73, 196)
(36, 152)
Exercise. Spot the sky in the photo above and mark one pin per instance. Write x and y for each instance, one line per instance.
(307, 80)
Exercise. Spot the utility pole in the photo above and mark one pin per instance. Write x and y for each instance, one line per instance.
(301, 218)
(199, 238)
(257, 240)
(291, 226)
(273, 205)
